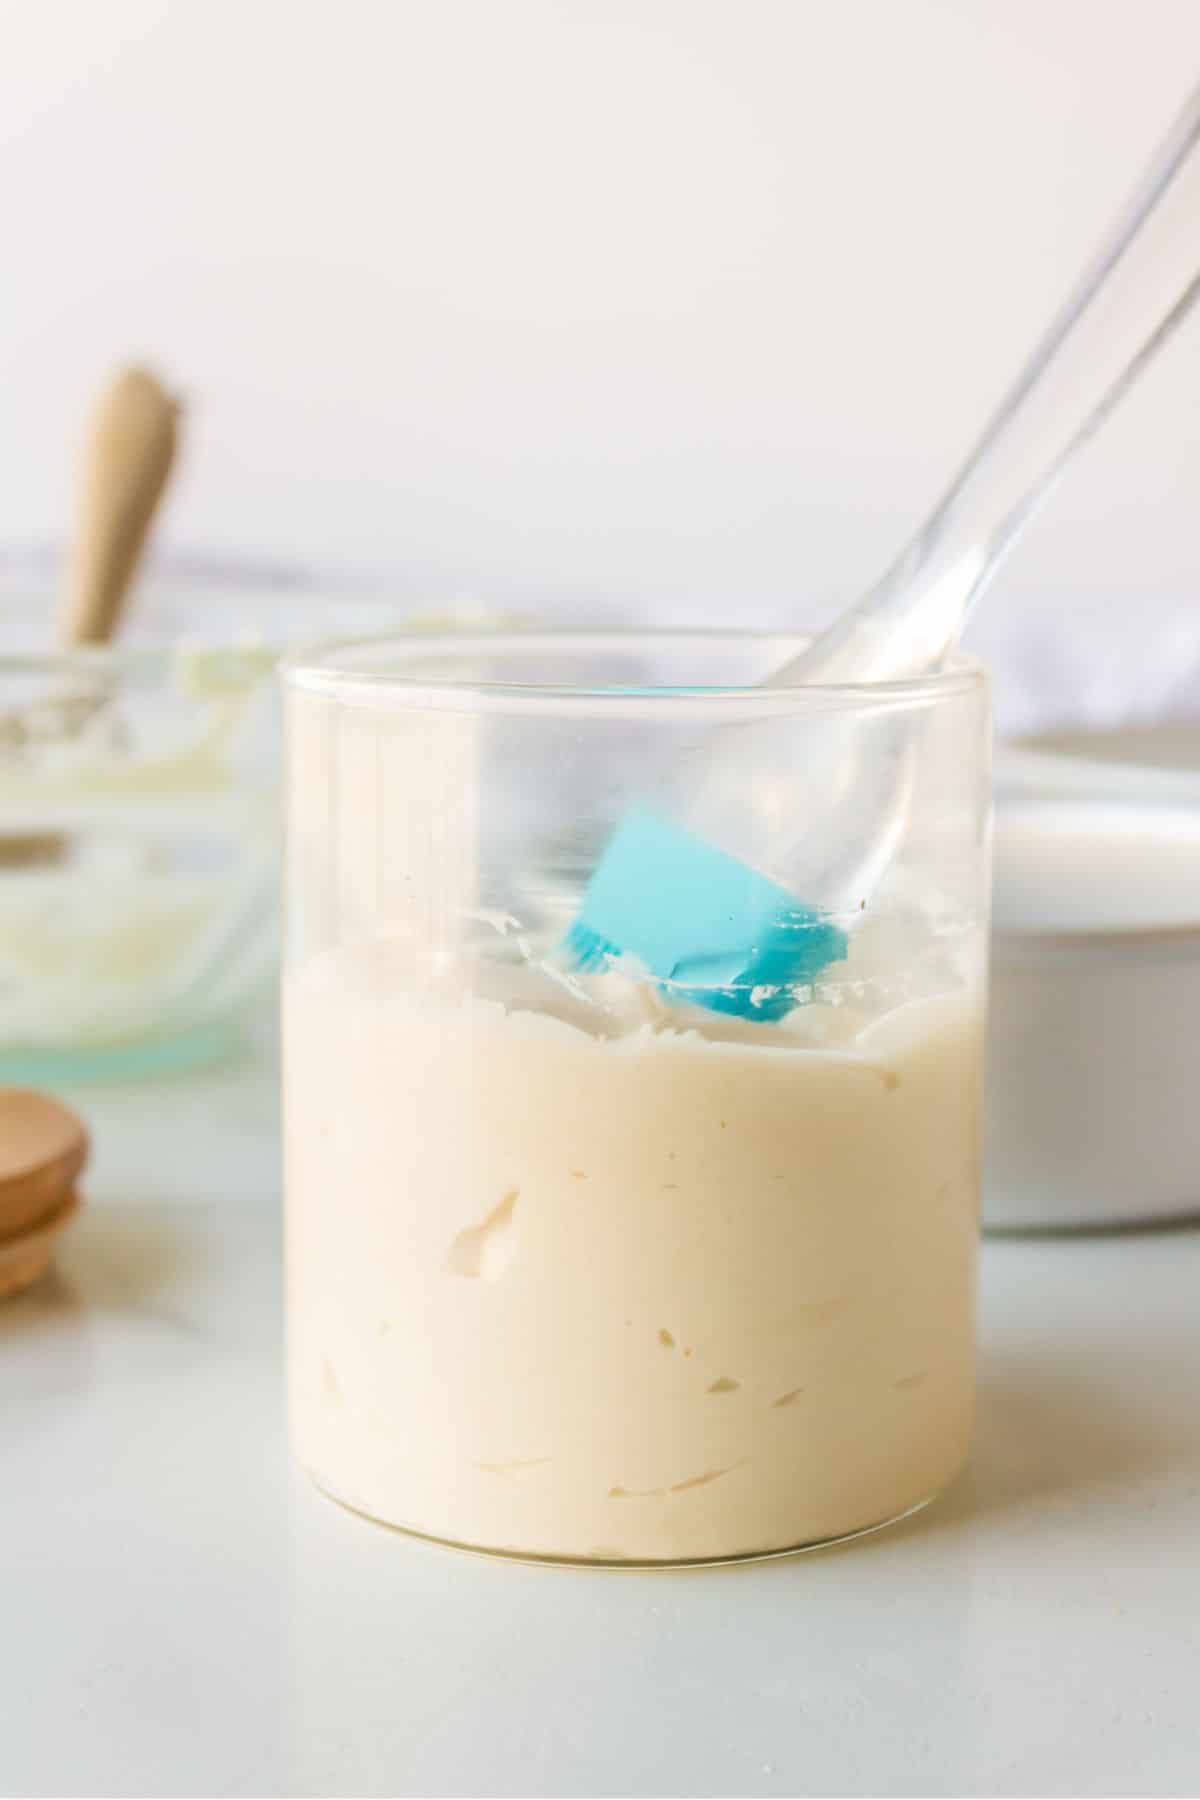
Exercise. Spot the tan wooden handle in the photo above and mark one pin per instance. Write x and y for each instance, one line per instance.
(125, 467)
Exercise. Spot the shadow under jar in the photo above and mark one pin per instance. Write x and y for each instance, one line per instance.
(580, 1269)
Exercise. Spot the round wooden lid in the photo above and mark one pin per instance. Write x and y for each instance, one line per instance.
(25, 1259)
(43, 1147)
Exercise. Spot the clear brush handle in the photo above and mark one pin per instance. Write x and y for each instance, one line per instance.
(1138, 288)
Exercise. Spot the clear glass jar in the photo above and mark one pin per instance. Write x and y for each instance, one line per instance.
(591, 1264)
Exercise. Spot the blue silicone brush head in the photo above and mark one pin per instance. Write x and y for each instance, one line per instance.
(709, 928)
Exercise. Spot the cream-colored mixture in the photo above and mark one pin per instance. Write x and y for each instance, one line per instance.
(567, 1282)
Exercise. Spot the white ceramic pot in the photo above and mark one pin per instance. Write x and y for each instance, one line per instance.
(1093, 1116)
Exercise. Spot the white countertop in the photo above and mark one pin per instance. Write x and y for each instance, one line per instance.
(183, 1615)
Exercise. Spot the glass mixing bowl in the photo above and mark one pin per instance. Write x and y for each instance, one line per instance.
(139, 816)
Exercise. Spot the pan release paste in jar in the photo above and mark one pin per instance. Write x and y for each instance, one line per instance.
(573, 1275)
(576, 1268)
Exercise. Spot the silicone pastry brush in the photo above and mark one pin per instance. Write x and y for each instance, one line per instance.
(127, 458)
(688, 892)
(128, 455)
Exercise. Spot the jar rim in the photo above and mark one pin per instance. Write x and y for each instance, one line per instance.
(340, 669)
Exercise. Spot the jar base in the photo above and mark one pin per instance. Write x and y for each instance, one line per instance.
(548, 1559)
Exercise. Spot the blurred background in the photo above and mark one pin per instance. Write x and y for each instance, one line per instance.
(679, 308)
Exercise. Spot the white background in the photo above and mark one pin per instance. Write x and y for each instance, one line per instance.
(686, 307)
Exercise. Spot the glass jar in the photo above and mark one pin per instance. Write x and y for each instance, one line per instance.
(598, 1263)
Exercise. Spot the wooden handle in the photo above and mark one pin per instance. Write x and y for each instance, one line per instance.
(126, 463)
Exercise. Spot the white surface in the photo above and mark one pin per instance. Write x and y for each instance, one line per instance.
(183, 1615)
(679, 303)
